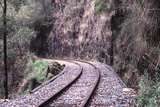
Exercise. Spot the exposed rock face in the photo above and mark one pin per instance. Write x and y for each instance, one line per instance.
(79, 31)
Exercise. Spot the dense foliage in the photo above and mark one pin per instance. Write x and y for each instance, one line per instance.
(102, 6)
(23, 16)
(135, 40)
(149, 93)
(137, 50)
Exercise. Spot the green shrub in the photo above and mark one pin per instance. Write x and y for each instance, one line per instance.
(101, 6)
(37, 70)
(21, 17)
(149, 93)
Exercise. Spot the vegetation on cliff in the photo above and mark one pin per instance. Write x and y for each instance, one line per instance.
(123, 33)
(23, 16)
(137, 48)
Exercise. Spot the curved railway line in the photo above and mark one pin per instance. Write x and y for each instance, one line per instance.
(80, 84)
(80, 91)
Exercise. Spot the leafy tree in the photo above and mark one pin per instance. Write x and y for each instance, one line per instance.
(22, 17)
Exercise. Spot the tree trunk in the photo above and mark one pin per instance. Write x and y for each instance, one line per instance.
(112, 51)
(5, 47)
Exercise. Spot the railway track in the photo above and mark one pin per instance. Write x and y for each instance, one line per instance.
(80, 84)
(42, 95)
(79, 92)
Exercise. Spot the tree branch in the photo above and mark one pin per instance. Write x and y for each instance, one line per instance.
(1, 5)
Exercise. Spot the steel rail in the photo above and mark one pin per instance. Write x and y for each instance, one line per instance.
(63, 88)
(87, 99)
(48, 81)
(52, 79)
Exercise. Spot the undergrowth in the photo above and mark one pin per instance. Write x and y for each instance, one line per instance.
(37, 69)
(101, 6)
(24, 17)
(138, 45)
(149, 94)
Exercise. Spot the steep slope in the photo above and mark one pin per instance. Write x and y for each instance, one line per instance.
(79, 31)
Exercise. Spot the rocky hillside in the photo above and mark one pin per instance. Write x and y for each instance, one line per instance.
(123, 33)
(80, 29)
